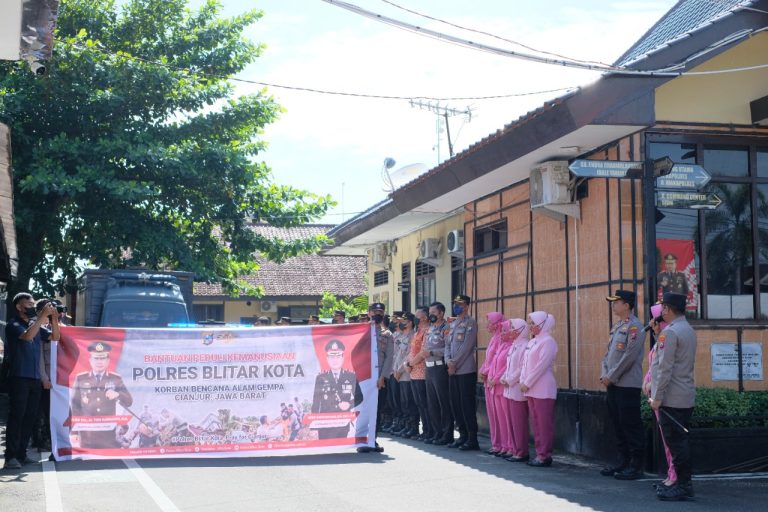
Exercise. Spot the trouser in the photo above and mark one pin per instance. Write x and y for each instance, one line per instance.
(438, 402)
(518, 410)
(624, 410)
(463, 404)
(677, 440)
(24, 399)
(542, 411)
(505, 428)
(671, 473)
(41, 435)
(407, 403)
(393, 396)
(493, 427)
(419, 391)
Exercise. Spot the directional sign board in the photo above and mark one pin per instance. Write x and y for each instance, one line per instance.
(684, 176)
(687, 199)
(602, 168)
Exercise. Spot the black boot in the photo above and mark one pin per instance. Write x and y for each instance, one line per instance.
(471, 444)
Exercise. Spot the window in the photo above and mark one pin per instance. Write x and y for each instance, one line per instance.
(426, 292)
(457, 276)
(709, 254)
(380, 278)
(491, 238)
(205, 312)
(405, 286)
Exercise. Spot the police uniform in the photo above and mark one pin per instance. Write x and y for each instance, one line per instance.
(622, 365)
(438, 397)
(460, 351)
(673, 282)
(673, 385)
(89, 398)
(331, 390)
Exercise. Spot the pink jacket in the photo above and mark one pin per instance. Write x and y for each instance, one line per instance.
(500, 360)
(539, 360)
(655, 311)
(494, 321)
(515, 360)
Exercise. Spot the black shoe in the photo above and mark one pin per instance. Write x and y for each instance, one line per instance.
(370, 449)
(513, 458)
(540, 463)
(429, 441)
(628, 474)
(612, 470)
(492, 451)
(674, 493)
(457, 443)
(469, 446)
(441, 442)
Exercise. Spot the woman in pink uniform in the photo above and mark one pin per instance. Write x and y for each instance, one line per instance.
(495, 320)
(517, 403)
(658, 325)
(537, 382)
(500, 404)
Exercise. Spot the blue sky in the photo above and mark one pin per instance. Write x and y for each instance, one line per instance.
(323, 141)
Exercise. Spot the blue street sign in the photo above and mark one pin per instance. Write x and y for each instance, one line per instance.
(603, 168)
(687, 199)
(684, 176)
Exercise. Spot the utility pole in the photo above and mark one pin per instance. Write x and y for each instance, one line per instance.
(445, 112)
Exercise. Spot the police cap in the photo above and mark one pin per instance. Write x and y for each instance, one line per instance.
(625, 295)
(340, 312)
(334, 346)
(464, 299)
(99, 349)
(377, 306)
(676, 300)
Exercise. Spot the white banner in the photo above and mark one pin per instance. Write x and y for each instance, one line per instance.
(153, 393)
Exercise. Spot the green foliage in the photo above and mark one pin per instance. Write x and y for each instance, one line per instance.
(133, 150)
(720, 402)
(330, 303)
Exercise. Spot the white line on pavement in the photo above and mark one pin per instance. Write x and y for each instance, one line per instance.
(52, 492)
(154, 491)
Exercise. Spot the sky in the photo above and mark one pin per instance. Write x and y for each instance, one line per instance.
(336, 145)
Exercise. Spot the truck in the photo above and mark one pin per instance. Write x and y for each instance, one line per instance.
(134, 298)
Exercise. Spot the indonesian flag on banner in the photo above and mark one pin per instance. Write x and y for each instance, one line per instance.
(677, 270)
(232, 392)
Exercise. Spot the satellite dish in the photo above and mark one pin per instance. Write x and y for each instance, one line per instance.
(404, 175)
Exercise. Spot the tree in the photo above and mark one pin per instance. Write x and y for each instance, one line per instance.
(133, 152)
(330, 303)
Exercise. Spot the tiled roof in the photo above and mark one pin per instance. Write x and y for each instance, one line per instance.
(685, 17)
(303, 275)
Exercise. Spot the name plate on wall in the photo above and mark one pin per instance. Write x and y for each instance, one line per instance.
(725, 361)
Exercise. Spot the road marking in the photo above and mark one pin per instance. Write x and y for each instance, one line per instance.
(52, 491)
(149, 485)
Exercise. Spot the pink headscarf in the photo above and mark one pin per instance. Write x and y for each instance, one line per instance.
(494, 321)
(544, 320)
(521, 326)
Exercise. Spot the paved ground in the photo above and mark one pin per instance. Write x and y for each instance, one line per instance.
(408, 476)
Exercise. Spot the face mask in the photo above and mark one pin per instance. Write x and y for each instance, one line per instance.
(378, 318)
(432, 319)
(30, 312)
(402, 326)
(457, 309)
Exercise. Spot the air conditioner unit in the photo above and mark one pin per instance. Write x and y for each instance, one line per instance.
(380, 255)
(267, 305)
(455, 242)
(429, 251)
(550, 191)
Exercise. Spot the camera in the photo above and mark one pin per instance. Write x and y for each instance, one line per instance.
(38, 68)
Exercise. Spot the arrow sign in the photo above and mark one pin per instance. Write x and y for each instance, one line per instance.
(684, 176)
(687, 199)
(603, 168)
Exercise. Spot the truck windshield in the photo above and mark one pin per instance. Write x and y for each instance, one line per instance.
(142, 314)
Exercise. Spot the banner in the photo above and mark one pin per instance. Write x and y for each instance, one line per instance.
(232, 392)
(678, 270)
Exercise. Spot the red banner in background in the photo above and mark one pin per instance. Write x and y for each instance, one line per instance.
(677, 270)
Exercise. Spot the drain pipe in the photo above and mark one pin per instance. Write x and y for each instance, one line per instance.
(576, 380)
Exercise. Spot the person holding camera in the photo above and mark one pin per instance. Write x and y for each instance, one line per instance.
(27, 374)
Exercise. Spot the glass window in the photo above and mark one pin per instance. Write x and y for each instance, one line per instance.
(457, 276)
(762, 163)
(205, 312)
(762, 247)
(726, 161)
(677, 256)
(728, 246)
(491, 238)
(679, 153)
(426, 288)
(380, 278)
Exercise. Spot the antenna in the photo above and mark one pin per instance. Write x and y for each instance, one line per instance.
(445, 112)
(386, 166)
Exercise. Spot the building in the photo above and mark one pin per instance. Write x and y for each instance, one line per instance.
(539, 237)
(9, 260)
(293, 288)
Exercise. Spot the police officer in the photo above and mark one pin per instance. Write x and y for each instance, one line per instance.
(438, 397)
(673, 391)
(670, 280)
(96, 393)
(622, 376)
(462, 373)
(336, 390)
(385, 348)
(339, 316)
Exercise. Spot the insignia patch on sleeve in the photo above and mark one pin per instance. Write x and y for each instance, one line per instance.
(620, 346)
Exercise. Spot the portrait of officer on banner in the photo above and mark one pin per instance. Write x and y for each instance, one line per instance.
(336, 390)
(97, 393)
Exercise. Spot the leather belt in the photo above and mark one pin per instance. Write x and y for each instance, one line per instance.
(430, 364)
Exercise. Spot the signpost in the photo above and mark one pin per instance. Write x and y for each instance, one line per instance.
(687, 199)
(684, 176)
(603, 168)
